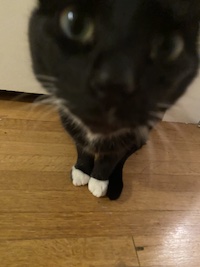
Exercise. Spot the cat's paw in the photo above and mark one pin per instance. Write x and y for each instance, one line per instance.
(79, 178)
(98, 188)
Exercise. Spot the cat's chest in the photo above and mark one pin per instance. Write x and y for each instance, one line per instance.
(99, 143)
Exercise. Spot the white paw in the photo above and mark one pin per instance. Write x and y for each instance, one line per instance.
(98, 188)
(79, 178)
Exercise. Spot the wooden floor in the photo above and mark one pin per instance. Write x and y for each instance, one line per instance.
(46, 222)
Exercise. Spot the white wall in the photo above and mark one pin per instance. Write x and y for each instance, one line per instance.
(15, 63)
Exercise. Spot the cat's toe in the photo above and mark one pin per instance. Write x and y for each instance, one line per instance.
(79, 178)
(98, 188)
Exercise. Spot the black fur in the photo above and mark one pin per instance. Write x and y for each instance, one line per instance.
(133, 42)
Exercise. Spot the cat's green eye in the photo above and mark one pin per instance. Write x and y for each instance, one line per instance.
(170, 48)
(77, 25)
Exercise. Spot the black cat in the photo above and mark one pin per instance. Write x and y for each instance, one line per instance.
(113, 67)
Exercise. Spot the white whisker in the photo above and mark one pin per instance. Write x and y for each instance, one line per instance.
(43, 99)
(58, 102)
(19, 97)
(181, 133)
(46, 78)
(151, 123)
(38, 102)
(51, 89)
(47, 84)
(157, 115)
(141, 134)
(151, 150)
(49, 110)
(166, 142)
(163, 105)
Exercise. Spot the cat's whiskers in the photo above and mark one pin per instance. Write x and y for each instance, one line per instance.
(163, 106)
(19, 96)
(39, 101)
(30, 108)
(167, 144)
(50, 100)
(158, 115)
(141, 134)
(181, 133)
(60, 104)
(151, 123)
(44, 117)
(50, 105)
(151, 150)
(48, 82)
(49, 86)
(43, 99)
(150, 143)
(46, 78)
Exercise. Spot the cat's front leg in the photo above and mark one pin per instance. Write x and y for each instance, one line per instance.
(103, 168)
(82, 170)
(107, 175)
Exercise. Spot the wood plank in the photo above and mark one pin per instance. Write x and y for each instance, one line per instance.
(60, 181)
(163, 167)
(35, 162)
(20, 226)
(79, 252)
(28, 111)
(60, 201)
(58, 162)
(178, 247)
(159, 153)
(35, 181)
(33, 125)
(172, 151)
(156, 182)
(36, 137)
(175, 132)
(18, 148)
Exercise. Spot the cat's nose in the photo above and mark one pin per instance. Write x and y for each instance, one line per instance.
(112, 77)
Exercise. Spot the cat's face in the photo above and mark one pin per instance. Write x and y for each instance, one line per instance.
(115, 63)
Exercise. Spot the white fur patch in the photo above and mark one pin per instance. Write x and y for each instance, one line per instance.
(79, 178)
(90, 136)
(98, 188)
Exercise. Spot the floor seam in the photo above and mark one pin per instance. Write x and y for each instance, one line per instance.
(136, 251)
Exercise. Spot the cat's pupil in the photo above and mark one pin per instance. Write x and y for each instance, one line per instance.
(168, 46)
(76, 25)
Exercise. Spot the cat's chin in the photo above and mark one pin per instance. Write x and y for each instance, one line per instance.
(105, 128)
(97, 133)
